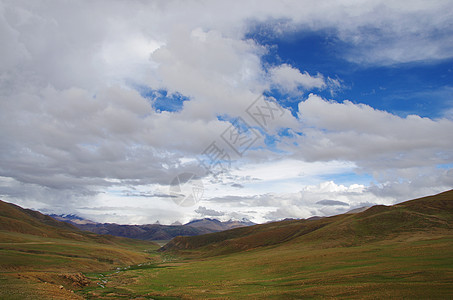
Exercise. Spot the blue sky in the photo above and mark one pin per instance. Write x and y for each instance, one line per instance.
(103, 105)
(420, 87)
(424, 87)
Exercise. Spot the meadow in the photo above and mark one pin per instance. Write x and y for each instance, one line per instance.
(417, 267)
(402, 251)
(34, 267)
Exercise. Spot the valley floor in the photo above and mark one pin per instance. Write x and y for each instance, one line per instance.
(400, 252)
(36, 267)
(415, 267)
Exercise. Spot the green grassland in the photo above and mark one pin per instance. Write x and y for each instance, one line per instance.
(34, 267)
(402, 251)
(41, 258)
(408, 267)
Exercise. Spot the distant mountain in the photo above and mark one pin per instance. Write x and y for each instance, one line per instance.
(144, 232)
(411, 218)
(42, 258)
(216, 225)
(17, 220)
(14, 218)
(71, 218)
(153, 231)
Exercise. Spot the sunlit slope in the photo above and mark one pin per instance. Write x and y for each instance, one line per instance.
(400, 252)
(30, 240)
(406, 267)
(42, 258)
(424, 215)
(16, 219)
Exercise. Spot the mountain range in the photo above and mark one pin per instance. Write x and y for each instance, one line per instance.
(153, 232)
(379, 222)
(43, 258)
(402, 251)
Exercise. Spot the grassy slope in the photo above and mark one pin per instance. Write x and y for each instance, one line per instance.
(39, 254)
(404, 251)
(428, 214)
(408, 268)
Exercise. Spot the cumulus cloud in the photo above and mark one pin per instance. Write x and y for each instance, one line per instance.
(220, 73)
(401, 153)
(72, 134)
(203, 211)
(237, 185)
(289, 79)
(307, 202)
(332, 202)
(73, 125)
(372, 138)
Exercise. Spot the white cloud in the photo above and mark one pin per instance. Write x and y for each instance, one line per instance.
(288, 168)
(290, 79)
(203, 211)
(222, 75)
(373, 139)
(303, 204)
(71, 129)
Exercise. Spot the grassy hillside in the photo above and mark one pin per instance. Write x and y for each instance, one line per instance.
(413, 267)
(403, 251)
(40, 256)
(429, 214)
(16, 219)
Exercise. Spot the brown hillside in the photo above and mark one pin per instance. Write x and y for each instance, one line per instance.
(16, 219)
(433, 213)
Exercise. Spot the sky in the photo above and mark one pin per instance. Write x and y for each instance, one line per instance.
(142, 111)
